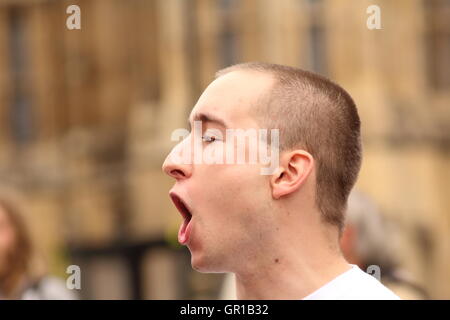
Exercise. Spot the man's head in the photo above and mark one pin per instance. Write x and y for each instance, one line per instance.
(237, 214)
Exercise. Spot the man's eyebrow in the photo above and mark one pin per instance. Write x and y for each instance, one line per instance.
(203, 117)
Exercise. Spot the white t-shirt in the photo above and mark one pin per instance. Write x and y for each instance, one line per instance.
(353, 284)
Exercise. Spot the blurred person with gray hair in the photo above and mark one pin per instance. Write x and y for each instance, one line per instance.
(368, 241)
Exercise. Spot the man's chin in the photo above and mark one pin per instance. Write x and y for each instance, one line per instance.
(199, 265)
(204, 265)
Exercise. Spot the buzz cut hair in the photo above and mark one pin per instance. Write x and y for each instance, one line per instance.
(315, 114)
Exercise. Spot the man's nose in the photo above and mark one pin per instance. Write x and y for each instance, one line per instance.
(176, 169)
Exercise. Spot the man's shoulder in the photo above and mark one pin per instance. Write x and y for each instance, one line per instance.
(362, 286)
(353, 284)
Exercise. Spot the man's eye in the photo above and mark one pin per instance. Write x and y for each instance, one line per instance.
(208, 138)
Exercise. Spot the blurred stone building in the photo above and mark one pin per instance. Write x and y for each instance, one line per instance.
(86, 117)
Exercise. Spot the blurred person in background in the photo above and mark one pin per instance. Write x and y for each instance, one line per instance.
(21, 276)
(368, 239)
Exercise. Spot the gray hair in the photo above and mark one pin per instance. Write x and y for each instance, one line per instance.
(375, 241)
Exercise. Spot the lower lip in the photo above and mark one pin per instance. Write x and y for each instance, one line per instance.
(185, 232)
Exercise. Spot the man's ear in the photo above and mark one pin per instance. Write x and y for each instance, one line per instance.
(294, 169)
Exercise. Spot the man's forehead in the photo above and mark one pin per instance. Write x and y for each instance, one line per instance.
(231, 96)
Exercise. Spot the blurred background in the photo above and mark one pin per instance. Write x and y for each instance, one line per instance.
(86, 117)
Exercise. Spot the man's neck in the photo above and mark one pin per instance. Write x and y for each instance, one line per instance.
(291, 274)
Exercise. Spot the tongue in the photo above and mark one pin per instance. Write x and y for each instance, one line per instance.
(183, 233)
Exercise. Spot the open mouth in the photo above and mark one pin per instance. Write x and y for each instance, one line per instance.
(184, 232)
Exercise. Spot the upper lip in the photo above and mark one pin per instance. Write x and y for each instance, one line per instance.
(181, 205)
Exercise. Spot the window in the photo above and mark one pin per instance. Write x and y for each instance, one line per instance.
(316, 45)
(438, 43)
(20, 108)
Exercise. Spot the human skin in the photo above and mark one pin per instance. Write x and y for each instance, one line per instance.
(265, 229)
